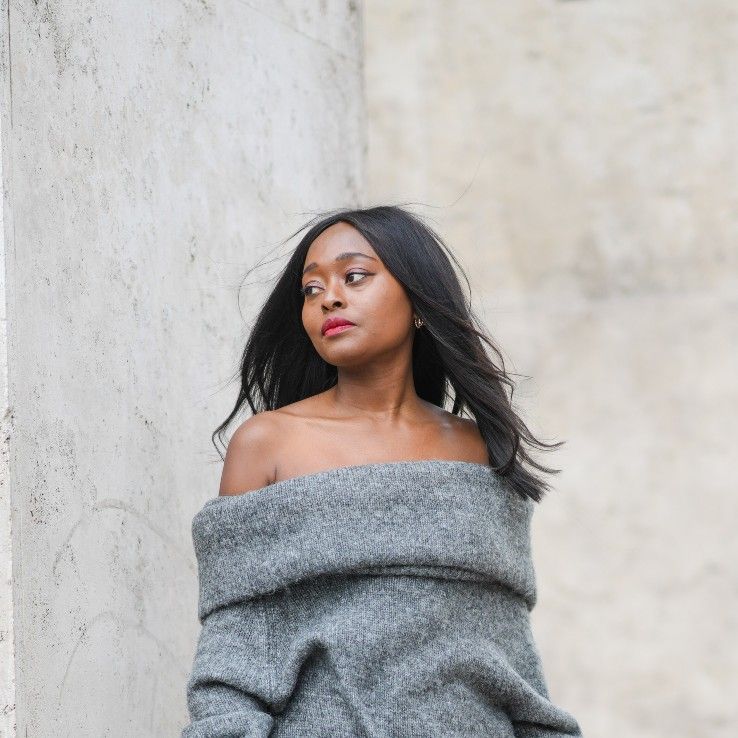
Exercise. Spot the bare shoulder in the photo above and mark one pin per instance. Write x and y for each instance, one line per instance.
(473, 441)
(467, 426)
(249, 462)
(465, 436)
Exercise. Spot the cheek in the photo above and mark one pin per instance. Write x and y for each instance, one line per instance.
(394, 300)
(310, 321)
(387, 312)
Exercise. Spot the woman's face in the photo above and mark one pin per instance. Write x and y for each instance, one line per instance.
(345, 280)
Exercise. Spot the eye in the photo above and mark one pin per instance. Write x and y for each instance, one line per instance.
(361, 274)
(305, 290)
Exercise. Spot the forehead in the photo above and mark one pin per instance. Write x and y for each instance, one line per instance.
(337, 238)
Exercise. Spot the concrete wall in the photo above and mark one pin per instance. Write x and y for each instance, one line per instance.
(581, 158)
(150, 153)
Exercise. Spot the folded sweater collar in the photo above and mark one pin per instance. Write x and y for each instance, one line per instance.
(439, 518)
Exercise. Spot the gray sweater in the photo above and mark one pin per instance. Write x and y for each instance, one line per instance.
(386, 600)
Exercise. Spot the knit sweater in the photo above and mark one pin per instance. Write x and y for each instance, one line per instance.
(384, 600)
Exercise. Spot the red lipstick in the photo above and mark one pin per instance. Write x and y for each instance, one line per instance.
(333, 326)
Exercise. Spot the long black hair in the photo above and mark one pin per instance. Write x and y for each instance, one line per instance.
(280, 365)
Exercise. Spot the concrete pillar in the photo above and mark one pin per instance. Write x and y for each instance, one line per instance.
(151, 153)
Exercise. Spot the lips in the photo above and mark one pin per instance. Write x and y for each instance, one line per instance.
(335, 325)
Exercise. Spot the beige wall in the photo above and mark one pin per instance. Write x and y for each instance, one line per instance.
(582, 159)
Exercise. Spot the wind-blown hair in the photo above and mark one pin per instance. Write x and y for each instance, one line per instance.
(279, 364)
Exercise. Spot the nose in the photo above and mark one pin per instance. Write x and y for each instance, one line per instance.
(332, 295)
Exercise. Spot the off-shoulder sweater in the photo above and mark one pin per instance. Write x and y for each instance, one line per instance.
(384, 600)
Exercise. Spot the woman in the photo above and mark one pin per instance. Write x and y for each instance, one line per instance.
(366, 568)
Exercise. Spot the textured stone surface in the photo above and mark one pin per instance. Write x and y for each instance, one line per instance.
(150, 152)
(581, 159)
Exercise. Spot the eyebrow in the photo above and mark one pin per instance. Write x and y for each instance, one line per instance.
(340, 257)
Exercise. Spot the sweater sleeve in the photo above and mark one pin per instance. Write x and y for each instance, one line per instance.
(228, 689)
(548, 720)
